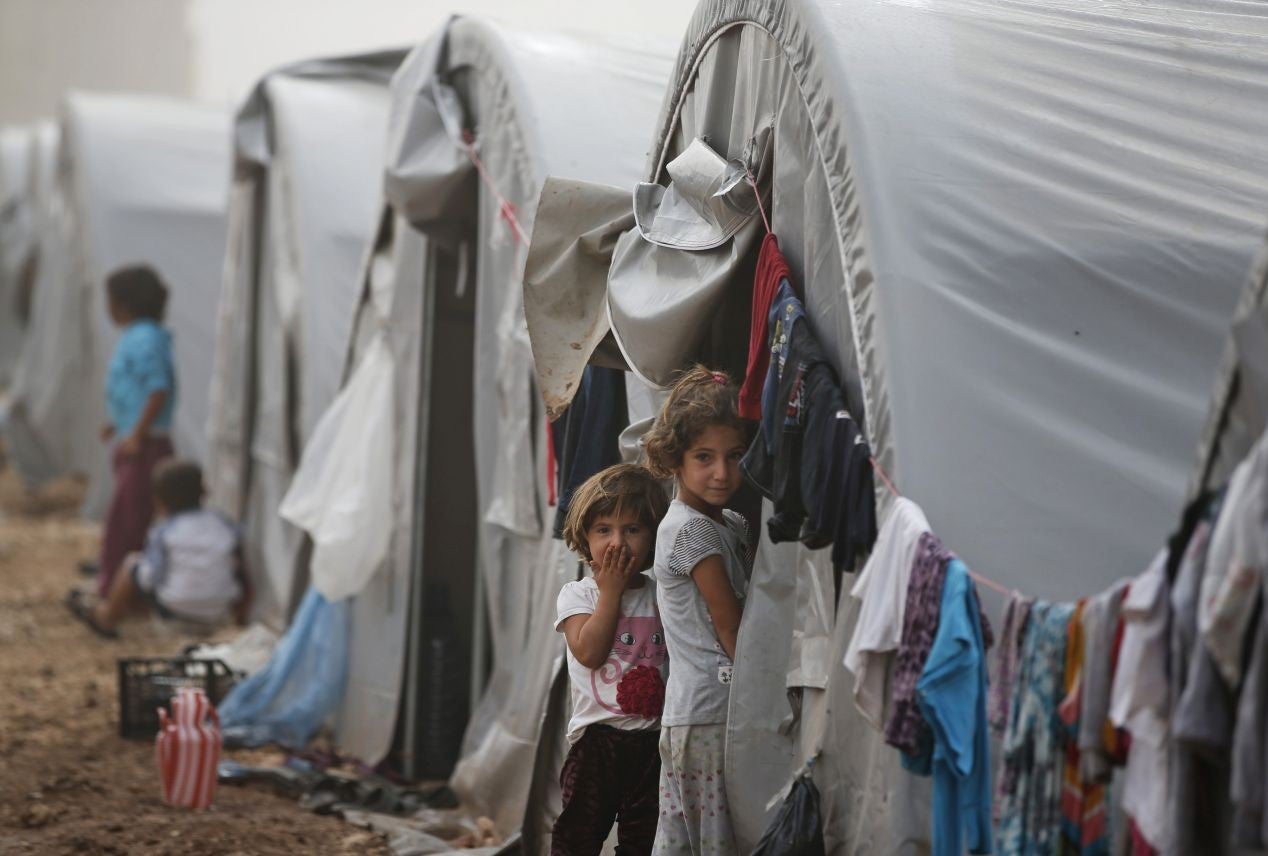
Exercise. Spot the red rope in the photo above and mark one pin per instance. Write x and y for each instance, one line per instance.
(758, 193)
(506, 211)
(986, 581)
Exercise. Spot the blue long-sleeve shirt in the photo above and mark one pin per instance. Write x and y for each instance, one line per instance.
(142, 364)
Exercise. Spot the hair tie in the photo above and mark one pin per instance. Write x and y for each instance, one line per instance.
(719, 377)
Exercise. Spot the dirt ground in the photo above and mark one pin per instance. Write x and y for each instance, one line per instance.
(69, 784)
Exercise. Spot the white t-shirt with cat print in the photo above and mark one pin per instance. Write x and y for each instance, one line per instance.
(615, 694)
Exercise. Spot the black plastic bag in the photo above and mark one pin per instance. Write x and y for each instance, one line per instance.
(797, 829)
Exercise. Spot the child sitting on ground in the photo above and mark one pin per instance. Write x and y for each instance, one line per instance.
(616, 663)
(191, 570)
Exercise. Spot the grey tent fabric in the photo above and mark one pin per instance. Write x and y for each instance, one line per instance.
(534, 104)
(18, 167)
(1238, 412)
(39, 421)
(391, 305)
(1021, 228)
(144, 180)
(308, 153)
(36, 422)
(569, 321)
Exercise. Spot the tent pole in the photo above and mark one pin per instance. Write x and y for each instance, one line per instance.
(478, 672)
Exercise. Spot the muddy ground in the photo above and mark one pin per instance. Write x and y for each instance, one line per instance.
(68, 783)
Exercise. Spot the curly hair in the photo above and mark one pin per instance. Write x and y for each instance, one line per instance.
(700, 398)
(139, 291)
(615, 490)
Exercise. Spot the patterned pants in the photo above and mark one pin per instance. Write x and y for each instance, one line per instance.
(609, 776)
(131, 507)
(695, 818)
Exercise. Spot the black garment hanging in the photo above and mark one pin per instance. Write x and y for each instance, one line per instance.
(587, 435)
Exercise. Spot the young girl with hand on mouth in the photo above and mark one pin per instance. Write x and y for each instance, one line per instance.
(616, 665)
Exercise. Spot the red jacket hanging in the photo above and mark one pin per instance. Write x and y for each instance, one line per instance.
(772, 268)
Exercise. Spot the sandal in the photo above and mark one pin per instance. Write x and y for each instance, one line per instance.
(84, 612)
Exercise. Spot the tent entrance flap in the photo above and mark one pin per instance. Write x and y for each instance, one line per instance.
(566, 283)
(438, 670)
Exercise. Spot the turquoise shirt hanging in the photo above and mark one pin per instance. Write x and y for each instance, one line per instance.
(951, 693)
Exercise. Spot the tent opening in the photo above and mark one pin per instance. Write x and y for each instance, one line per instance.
(443, 644)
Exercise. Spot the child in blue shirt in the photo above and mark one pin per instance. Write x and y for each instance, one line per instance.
(140, 399)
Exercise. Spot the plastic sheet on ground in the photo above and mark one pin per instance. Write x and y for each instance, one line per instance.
(290, 698)
(247, 653)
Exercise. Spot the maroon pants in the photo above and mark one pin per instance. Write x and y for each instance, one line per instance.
(610, 775)
(131, 507)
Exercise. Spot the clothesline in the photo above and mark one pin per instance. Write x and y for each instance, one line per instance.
(506, 210)
(974, 575)
(880, 471)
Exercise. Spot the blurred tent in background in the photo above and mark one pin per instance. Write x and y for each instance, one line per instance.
(19, 158)
(308, 160)
(141, 180)
(1021, 229)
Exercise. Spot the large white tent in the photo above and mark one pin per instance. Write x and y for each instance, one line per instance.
(308, 153)
(1021, 228)
(142, 180)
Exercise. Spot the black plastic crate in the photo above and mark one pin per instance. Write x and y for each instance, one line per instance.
(148, 683)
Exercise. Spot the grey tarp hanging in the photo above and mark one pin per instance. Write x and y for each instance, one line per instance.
(569, 321)
(391, 306)
(18, 165)
(308, 158)
(1021, 228)
(536, 104)
(39, 422)
(142, 180)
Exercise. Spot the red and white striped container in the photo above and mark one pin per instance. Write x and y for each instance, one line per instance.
(189, 750)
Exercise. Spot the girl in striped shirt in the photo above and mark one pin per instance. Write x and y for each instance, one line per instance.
(704, 556)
